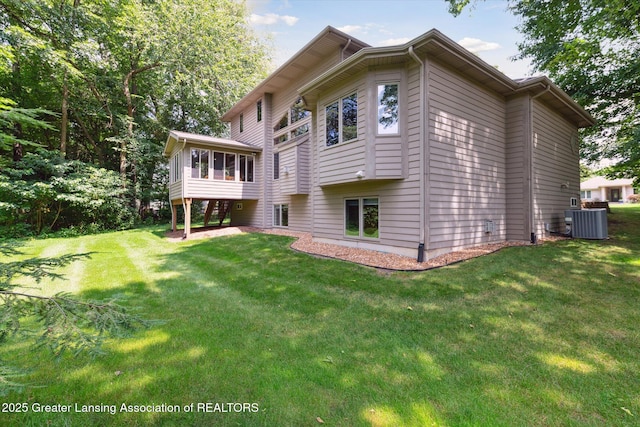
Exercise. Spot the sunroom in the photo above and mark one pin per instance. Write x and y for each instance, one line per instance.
(216, 170)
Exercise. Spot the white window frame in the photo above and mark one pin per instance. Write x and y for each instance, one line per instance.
(176, 168)
(377, 109)
(289, 131)
(361, 234)
(236, 166)
(340, 102)
(200, 151)
(277, 214)
(246, 167)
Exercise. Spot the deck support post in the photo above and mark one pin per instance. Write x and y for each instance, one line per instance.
(187, 218)
(174, 217)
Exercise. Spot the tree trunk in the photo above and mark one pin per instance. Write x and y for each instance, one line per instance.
(17, 152)
(130, 115)
(64, 119)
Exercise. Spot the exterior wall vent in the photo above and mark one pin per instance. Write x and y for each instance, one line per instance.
(588, 223)
(489, 226)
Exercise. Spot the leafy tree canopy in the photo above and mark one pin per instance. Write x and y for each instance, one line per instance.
(590, 48)
(110, 77)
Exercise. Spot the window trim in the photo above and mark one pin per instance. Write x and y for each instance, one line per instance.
(259, 111)
(276, 165)
(200, 151)
(248, 159)
(377, 104)
(278, 209)
(361, 234)
(284, 134)
(236, 166)
(241, 122)
(340, 102)
(175, 171)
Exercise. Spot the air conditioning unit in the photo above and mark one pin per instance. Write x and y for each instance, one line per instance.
(587, 223)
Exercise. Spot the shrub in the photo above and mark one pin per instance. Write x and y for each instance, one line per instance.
(46, 192)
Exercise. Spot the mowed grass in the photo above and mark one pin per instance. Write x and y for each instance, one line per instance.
(529, 336)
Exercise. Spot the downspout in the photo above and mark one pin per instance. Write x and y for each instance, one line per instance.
(184, 206)
(532, 224)
(344, 49)
(422, 233)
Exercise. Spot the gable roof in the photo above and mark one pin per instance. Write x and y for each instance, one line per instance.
(328, 41)
(176, 136)
(435, 45)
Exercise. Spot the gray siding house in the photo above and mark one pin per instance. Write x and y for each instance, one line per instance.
(418, 149)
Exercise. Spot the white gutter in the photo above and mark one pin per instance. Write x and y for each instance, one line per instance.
(184, 207)
(422, 197)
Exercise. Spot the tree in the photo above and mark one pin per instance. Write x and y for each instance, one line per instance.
(119, 73)
(47, 192)
(590, 48)
(14, 120)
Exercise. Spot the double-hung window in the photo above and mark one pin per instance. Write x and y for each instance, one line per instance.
(342, 120)
(361, 217)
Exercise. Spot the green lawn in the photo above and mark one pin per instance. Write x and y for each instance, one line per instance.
(535, 335)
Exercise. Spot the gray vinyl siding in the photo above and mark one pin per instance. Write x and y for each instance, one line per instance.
(208, 189)
(175, 190)
(555, 164)
(399, 201)
(339, 163)
(253, 133)
(299, 213)
(248, 215)
(216, 189)
(518, 168)
(294, 157)
(253, 129)
(467, 162)
(397, 220)
(264, 206)
(387, 153)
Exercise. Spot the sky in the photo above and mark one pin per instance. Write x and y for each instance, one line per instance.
(486, 29)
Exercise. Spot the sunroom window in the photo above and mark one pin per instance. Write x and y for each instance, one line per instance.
(176, 168)
(199, 163)
(245, 167)
(224, 166)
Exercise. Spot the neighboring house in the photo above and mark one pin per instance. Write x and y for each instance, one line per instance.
(417, 149)
(601, 189)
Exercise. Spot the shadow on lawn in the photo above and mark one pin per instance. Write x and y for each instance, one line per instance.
(540, 335)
